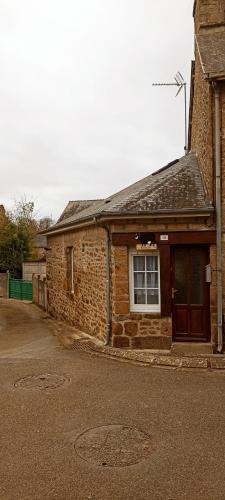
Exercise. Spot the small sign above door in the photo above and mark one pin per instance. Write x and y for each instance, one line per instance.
(146, 247)
(164, 237)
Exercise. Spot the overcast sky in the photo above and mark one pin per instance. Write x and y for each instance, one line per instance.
(79, 116)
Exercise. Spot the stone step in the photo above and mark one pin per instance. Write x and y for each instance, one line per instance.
(191, 348)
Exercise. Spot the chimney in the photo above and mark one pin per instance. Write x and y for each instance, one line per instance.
(209, 14)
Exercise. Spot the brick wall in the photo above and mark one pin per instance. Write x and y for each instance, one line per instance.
(86, 307)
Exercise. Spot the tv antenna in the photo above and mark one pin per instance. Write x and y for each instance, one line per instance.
(182, 85)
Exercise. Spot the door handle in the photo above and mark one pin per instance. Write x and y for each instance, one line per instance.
(174, 290)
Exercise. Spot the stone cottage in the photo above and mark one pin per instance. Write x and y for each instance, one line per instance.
(143, 268)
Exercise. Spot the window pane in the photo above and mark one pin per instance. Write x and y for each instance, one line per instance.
(139, 297)
(152, 263)
(139, 280)
(152, 280)
(139, 263)
(152, 297)
(181, 276)
(196, 279)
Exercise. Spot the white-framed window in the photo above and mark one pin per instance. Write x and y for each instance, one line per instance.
(70, 269)
(144, 282)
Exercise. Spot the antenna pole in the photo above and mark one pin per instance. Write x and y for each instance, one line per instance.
(185, 118)
(179, 82)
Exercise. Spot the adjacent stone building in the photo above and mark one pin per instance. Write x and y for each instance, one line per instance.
(140, 269)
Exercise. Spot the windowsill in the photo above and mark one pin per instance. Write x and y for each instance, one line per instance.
(145, 311)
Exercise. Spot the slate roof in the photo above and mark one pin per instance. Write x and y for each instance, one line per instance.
(211, 47)
(74, 207)
(177, 187)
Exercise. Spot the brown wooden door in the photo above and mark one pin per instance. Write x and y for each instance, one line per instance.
(190, 294)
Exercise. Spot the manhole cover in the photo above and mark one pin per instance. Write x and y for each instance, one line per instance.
(42, 382)
(113, 446)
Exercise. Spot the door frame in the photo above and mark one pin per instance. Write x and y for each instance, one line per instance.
(186, 338)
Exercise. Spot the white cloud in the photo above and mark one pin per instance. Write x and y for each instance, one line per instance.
(79, 116)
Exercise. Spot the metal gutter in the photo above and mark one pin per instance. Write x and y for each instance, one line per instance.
(115, 216)
(158, 215)
(217, 153)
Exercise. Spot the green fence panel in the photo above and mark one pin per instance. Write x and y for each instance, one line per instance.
(19, 289)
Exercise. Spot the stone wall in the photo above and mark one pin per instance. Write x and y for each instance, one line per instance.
(145, 330)
(33, 267)
(4, 285)
(130, 329)
(85, 308)
(208, 13)
(40, 293)
(202, 127)
(210, 17)
(148, 330)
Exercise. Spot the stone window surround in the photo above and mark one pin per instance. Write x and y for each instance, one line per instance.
(139, 308)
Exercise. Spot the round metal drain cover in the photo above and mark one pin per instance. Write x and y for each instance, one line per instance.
(113, 446)
(42, 382)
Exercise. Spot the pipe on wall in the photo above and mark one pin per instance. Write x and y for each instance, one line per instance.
(107, 282)
(108, 288)
(217, 153)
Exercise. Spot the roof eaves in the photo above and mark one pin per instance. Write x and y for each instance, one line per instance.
(94, 219)
(207, 209)
(214, 76)
(68, 225)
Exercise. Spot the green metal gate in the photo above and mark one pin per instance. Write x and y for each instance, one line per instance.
(19, 289)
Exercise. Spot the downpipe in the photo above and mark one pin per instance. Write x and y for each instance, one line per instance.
(108, 288)
(218, 222)
(107, 281)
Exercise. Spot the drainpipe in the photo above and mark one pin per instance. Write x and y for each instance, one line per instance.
(217, 153)
(108, 288)
(108, 300)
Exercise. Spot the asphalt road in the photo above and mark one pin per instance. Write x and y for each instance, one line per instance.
(181, 412)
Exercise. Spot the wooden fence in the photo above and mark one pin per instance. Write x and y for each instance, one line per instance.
(40, 295)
